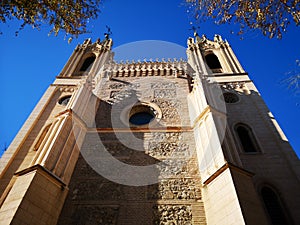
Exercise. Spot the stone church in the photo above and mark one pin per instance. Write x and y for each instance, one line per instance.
(176, 142)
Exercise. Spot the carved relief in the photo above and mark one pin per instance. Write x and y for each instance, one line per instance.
(113, 94)
(233, 85)
(170, 136)
(67, 88)
(164, 90)
(116, 86)
(95, 215)
(166, 149)
(119, 95)
(170, 109)
(164, 93)
(121, 85)
(177, 189)
(163, 85)
(168, 144)
(173, 214)
(172, 167)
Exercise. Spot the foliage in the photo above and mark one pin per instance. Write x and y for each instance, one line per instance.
(271, 17)
(71, 16)
(292, 82)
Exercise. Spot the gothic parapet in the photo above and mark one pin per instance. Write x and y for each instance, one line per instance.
(163, 67)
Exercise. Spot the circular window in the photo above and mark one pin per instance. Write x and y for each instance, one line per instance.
(64, 100)
(141, 115)
(229, 97)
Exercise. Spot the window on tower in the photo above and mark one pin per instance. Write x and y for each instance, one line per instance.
(213, 63)
(64, 100)
(141, 115)
(273, 206)
(41, 138)
(246, 138)
(87, 64)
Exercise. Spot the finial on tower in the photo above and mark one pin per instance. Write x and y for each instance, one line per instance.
(196, 35)
(195, 30)
(108, 33)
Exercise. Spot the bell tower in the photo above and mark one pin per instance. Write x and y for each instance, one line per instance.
(152, 142)
(37, 167)
(249, 158)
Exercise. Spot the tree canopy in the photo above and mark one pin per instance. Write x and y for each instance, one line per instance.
(271, 17)
(70, 16)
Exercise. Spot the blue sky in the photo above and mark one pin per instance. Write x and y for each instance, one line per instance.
(30, 62)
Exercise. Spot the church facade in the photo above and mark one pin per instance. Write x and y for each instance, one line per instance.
(152, 142)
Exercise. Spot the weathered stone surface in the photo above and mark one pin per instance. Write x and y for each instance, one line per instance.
(175, 189)
(173, 215)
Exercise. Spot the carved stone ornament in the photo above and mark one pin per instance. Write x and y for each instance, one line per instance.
(121, 86)
(119, 95)
(163, 85)
(173, 215)
(165, 93)
(170, 136)
(167, 149)
(170, 109)
(233, 85)
(175, 189)
(173, 167)
(67, 89)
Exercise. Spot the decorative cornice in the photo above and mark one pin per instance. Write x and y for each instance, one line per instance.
(232, 85)
(44, 171)
(75, 117)
(148, 68)
(223, 168)
(141, 129)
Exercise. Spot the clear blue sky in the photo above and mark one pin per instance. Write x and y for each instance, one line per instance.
(30, 62)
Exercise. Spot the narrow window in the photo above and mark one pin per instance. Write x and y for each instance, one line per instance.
(41, 138)
(87, 64)
(64, 100)
(247, 138)
(213, 63)
(273, 206)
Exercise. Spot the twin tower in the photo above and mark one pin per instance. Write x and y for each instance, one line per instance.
(153, 142)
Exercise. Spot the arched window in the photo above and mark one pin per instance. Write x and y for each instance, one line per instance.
(273, 206)
(213, 63)
(87, 64)
(41, 137)
(246, 138)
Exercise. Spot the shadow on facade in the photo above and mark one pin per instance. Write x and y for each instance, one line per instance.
(93, 199)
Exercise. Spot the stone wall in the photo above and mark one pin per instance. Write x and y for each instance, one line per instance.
(168, 143)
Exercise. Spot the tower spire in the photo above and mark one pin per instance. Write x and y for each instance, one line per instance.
(196, 35)
(108, 33)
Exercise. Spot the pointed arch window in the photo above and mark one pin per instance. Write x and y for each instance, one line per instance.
(246, 138)
(87, 64)
(41, 137)
(273, 206)
(213, 63)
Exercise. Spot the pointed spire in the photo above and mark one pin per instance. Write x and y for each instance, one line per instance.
(196, 35)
